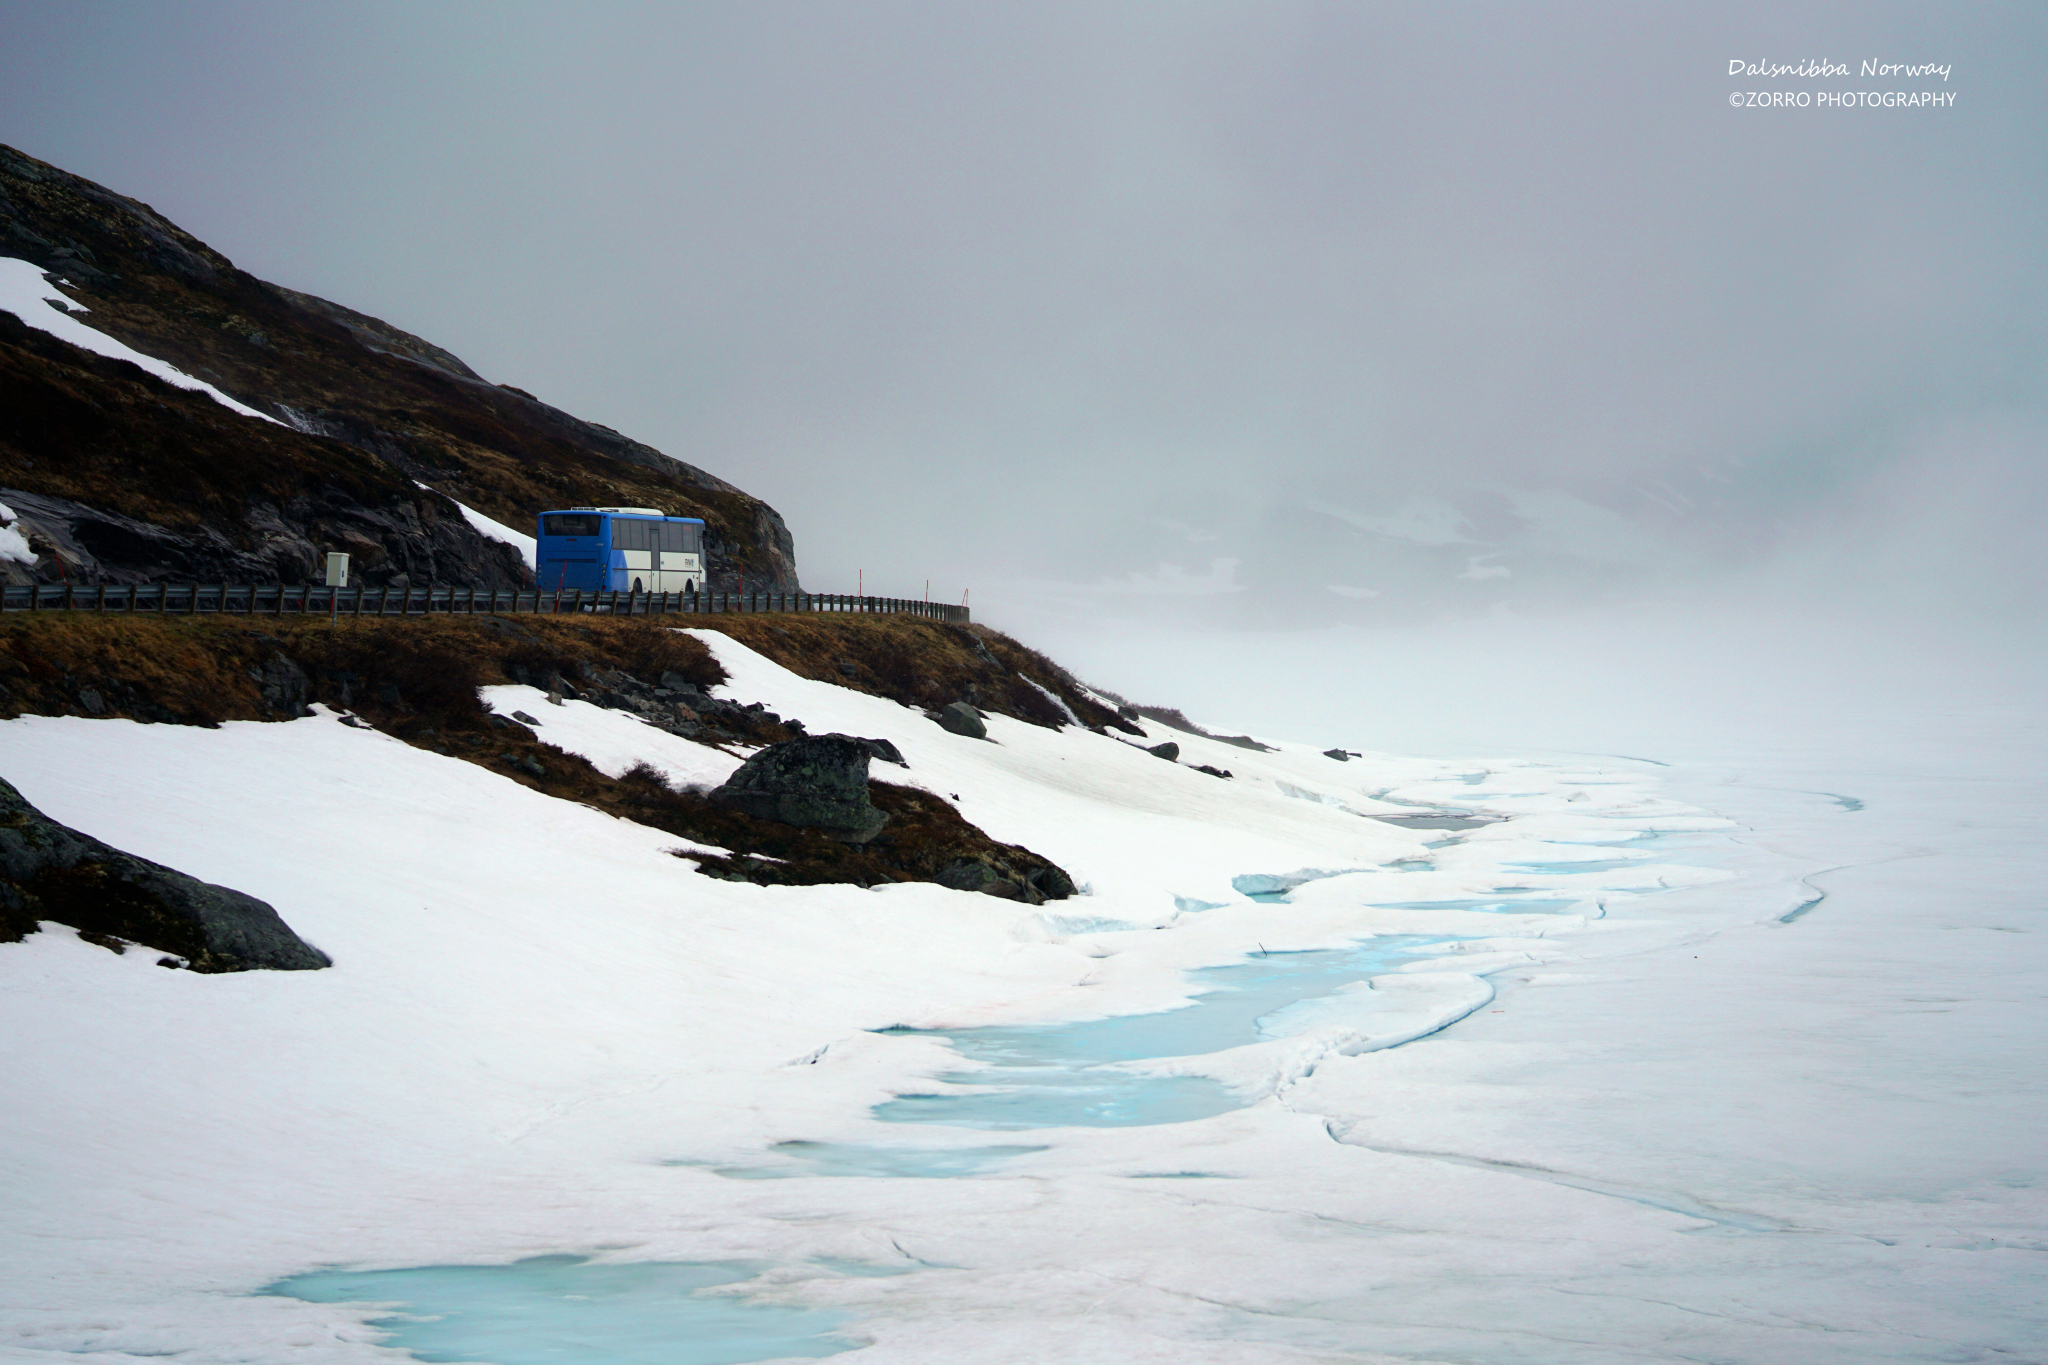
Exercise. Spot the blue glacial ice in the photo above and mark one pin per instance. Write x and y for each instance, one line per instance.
(551, 1309)
(1060, 1075)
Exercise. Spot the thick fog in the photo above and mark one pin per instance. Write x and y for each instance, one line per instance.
(1245, 317)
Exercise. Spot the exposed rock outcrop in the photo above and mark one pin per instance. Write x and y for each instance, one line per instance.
(1033, 885)
(51, 872)
(403, 542)
(816, 782)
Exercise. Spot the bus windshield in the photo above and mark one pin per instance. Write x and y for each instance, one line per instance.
(570, 524)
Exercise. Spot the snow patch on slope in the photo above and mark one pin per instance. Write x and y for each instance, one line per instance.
(528, 546)
(13, 545)
(25, 293)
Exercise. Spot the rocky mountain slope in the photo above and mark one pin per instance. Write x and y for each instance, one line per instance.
(118, 476)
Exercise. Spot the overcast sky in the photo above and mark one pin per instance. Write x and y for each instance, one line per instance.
(1277, 313)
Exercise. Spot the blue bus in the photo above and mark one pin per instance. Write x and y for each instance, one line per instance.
(620, 549)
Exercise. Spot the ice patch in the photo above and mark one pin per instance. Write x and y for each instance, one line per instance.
(1279, 883)
(550, 1308)
(1108, 1073)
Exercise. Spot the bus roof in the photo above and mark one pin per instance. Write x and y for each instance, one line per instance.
(624, 512)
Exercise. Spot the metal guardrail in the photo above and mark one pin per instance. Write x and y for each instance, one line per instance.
(280, 599)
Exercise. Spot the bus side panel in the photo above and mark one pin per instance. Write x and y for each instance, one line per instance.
(629, 571)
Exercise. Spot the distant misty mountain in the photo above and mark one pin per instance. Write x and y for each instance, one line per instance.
(117, 474)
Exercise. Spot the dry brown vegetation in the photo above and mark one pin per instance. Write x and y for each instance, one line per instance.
(416, 678)
(395, 671)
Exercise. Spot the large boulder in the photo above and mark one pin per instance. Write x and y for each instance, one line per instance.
(51, 872)
(817, 782)
(1034, 885)
(962, 719)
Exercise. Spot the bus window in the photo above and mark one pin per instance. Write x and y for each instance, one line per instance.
(570, 524)
(630, 533)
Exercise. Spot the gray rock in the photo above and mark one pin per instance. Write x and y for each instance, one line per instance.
(961, 719)
(968, 874)
(521, 715)
(1337, 754)
(1052, 882)
(1040, 884)
(883, 749)
(271, 543)
(965, 874)
(284, 685)
(818, 782)
(51, 872)
(1168, 751)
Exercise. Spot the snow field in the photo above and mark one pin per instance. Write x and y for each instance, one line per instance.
(543, 1034)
